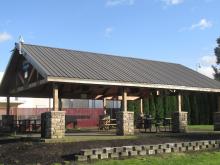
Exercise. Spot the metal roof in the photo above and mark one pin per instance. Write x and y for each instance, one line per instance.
(80, 65)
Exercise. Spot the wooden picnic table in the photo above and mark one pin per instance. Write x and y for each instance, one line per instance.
(27, 125)
(157, 122)
(107, 123)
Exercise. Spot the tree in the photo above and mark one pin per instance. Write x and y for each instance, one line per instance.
(216, 68)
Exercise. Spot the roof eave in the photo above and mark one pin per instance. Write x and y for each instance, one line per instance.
(129, 84)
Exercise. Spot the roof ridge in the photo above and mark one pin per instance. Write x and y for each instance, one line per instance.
(101, 54)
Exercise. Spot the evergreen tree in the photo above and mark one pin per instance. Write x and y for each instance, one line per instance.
(152, 106)
(195, 112)
(159, 107)
(216, 68)
(165, 106)
(187, 107)
(146, 106)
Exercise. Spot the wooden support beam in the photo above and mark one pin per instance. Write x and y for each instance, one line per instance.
(8, 106)
(104, 102)
(179, 102)
(141, 107)
(55, 97)
(29, 86)
(49, 104)
(21, 78)
(31, 75)
(121, 97)
(124, 100)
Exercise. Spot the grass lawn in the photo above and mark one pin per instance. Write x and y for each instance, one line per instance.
(79, 138)
(198, 158)
(200, 128)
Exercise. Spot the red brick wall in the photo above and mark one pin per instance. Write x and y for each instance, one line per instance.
(86, 117)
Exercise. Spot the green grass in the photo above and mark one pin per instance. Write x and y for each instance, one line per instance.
(68, 139)
(200, 128)
(198, 158)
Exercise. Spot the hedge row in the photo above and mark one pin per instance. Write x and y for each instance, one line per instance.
(200, 106)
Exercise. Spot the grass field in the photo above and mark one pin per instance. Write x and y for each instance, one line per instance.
(200, 128)
(198, 158)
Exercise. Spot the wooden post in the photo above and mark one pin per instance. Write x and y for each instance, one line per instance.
(179, 102)
(8, 106)
(141, 107)
(104, 102)
(124, 100)
(104, 105)
(49, 104)
(55, 98)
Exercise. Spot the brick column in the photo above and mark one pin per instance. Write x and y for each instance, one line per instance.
(179, 118)
(216, 117)
(124, 118)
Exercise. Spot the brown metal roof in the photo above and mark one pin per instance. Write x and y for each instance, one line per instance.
(56, 62)
(65, 65)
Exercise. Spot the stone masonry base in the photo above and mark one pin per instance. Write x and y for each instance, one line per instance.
(144, 150)
(8, 123)
(125, 123)
(53, 124)
(179, 122)
(216, 120)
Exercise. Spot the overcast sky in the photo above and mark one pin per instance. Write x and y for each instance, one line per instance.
(180, 31)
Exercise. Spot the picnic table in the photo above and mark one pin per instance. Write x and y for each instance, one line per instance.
(106, 123)
(149, 122)
(27, 125)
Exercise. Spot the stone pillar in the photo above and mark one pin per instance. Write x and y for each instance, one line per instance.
(125, 123)
(53, 124)
(216, 117)
(179, 122)
(124, 118)
(8, 120)
(179, 118)
(8, 123)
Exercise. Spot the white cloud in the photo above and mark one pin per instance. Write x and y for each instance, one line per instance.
(119, 2)
(208, 60)
(5, 37)
(173, 2)
(202, 24)
(108, 31)
(205, 65)
(207, 71)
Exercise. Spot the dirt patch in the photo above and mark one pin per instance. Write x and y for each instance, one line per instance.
(28, 152)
